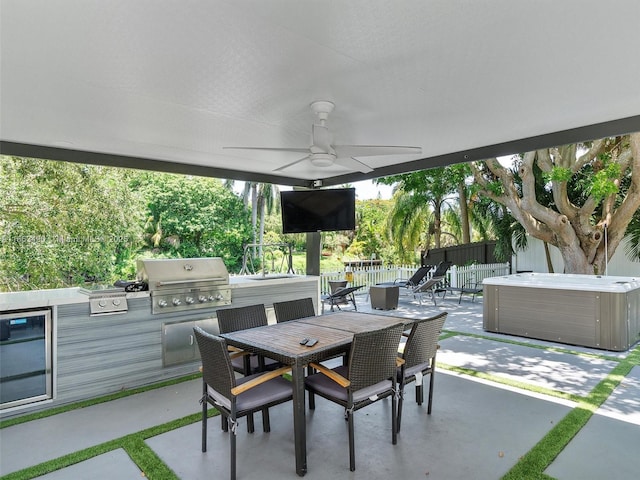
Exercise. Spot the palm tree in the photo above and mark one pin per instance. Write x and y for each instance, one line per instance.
(265, 201)
(421, 199)
(408, 224)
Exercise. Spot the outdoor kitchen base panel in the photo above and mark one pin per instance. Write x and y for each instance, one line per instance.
(584, 310)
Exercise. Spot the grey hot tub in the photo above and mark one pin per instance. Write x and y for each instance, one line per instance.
(588, 310)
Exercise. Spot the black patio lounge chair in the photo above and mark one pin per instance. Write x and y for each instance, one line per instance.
(434, 284)
(235, 398)
(341, 296)
(336, 284)
(369, 376)
(419, 355)
(472, 288)
(416, 279)
(442, 268)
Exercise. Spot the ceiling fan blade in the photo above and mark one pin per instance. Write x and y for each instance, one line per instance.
(354, 164)
(291, 164)
(321, 139)
(374, 150)
(269, 149)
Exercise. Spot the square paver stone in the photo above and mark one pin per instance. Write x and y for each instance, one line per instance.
(604, 447)
(111, 465)
(564, 372)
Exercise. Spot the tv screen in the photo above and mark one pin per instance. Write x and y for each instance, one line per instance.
(318, 210)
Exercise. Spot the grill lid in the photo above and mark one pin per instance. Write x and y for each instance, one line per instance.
(173, 273)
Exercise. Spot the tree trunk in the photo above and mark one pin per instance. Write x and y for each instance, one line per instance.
(547, 254)
(577, 230)
(575, 260)
(261, 208)
(254, 214)
(464, 213)
(437, 225)
(245, 194)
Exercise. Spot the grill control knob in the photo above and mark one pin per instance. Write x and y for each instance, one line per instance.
(219, 297)
(162, 303)
(176, 301)
(102, 303)
(189, 300)
(116, 302)
(202, 299)
(212, 298)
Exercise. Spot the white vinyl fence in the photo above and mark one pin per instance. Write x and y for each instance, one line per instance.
(472, 275)
(466, 276)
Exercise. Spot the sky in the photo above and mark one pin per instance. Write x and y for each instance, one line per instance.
(365, 190)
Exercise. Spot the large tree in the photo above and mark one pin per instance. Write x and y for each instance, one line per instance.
(64, 224)
(194, 217)
(369, 238)
(578, 198)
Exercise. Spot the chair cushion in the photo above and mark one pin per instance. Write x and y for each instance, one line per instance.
(410, 372)
(323, 385)
(274, 391)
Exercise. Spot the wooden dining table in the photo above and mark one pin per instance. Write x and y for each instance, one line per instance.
(281, 342)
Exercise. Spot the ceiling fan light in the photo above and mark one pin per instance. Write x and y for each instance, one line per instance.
(322, 159)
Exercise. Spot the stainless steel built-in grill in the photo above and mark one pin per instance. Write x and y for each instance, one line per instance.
(185, 283)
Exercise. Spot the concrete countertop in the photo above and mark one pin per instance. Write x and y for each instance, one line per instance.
(239, 281)
(41, 298)
(66, 296)
(49, 298)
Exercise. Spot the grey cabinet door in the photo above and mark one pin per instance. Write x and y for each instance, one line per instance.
(178, 343)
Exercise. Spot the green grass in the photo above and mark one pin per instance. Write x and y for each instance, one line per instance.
(327, 264)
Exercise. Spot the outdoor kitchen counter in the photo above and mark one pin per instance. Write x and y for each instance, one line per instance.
(68, 296)
(41, 298)
(241, 281)
(94, 355)
(255, 289)
(48, 298)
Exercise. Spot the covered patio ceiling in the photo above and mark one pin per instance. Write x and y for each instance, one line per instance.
(166, 84)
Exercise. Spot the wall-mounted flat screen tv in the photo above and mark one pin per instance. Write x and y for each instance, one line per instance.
(318, 210)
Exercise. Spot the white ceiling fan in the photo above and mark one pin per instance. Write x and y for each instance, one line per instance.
(322, 153)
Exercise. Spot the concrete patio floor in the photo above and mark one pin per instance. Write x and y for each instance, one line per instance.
(478, 429)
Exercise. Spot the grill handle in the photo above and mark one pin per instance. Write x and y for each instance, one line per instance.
(181, 282)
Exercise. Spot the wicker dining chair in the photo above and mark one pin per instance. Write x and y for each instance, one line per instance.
(369, 376)
(419, 357)
(241, 318)
(235, 398)
(294, 309)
